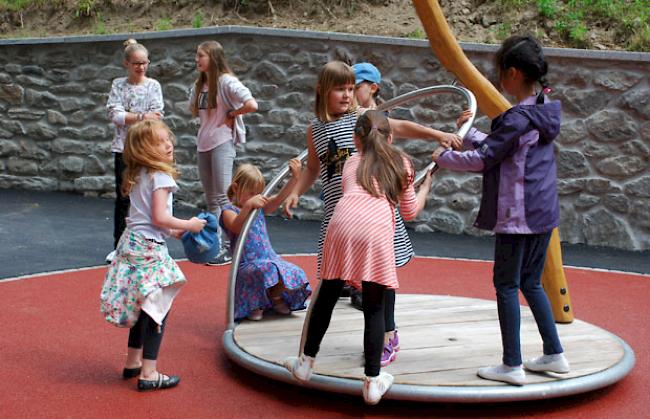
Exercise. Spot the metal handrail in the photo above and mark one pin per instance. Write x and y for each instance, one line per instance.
(284, 171)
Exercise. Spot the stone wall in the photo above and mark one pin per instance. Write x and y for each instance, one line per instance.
(55, 135)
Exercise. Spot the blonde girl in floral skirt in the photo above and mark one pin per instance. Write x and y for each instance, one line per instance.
(143, 279)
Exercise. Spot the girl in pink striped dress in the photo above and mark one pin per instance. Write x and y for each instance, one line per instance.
(359, 245)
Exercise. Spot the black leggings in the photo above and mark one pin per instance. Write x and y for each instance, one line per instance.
(373, 315)
(146, 335)
(121, 210)
(389, 302)
(389, 312)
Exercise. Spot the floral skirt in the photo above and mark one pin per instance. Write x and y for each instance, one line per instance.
(140, 267)
(255, 278)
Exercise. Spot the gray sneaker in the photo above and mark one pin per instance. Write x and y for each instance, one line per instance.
(223, 258)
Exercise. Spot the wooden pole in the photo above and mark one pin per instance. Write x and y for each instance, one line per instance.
(491, 103)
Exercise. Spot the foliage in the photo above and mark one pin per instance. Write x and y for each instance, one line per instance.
(100, 26)
(85, 8)
(164, 24)
(417, 34)
(197, 21)
(503, 30)
(573, 19)
(547, 8)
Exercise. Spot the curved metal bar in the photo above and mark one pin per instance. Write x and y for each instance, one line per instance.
(284, 171)
(428, 91)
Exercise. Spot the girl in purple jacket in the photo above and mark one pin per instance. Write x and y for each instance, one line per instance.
(519, 202)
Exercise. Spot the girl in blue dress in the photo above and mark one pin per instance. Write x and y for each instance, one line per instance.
(264, 280)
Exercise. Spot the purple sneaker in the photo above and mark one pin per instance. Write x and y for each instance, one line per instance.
(388, 355)
(394, 342)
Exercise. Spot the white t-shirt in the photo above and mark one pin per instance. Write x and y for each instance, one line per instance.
(213, 131)
(141, 196)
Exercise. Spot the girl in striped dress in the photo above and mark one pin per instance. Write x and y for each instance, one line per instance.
(358, 246)
(329, 143)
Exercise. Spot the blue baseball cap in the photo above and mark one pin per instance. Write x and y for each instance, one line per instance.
(366, 72)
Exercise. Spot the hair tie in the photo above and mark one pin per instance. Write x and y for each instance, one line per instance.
(375, 127)
(547, 90)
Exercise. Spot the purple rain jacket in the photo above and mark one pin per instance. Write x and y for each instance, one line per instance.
(518, 165)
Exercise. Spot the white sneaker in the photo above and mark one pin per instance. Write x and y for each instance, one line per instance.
(504, 373)
(549, 363)
(375, 387)
(301, 367)
(110, 257)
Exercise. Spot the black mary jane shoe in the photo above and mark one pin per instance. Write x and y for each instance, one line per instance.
(131, 372)
(162, 382)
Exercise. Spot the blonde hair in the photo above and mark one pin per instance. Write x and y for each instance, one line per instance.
(140, 151)
(331, 75)
(131, 46)
(247, 177)
(218, 65)
(382, 165)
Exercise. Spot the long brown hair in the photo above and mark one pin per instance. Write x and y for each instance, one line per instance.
(382, 168)
(332, 74)
(218, 66)
(140, 151)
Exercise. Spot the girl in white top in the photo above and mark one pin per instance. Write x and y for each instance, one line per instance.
(219, 99)
(133, 98)
(142, 281)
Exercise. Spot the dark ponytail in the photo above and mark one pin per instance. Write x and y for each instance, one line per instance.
(525, 53)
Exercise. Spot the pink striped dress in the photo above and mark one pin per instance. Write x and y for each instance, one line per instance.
(359, 241)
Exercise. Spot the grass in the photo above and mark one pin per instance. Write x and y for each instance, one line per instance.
(85, 8)
(574, 18)
(197, 21)
(417, 34)
(503, 30)
(164, 24)
(100, 27)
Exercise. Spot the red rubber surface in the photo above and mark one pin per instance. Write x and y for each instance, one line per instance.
(59, 358)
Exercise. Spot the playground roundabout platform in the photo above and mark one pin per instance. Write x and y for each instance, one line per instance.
(61, 359)
(444, 340)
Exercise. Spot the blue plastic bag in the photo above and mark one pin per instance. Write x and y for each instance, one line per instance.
(203, 246)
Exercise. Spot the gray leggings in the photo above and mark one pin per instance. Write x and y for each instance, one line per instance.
(215, 172)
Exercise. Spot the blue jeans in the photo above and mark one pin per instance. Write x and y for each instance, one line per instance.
(518, 264)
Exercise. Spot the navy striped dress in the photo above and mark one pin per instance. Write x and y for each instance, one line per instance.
(334, 144)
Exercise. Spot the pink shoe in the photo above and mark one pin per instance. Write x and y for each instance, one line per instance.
(395, 341)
